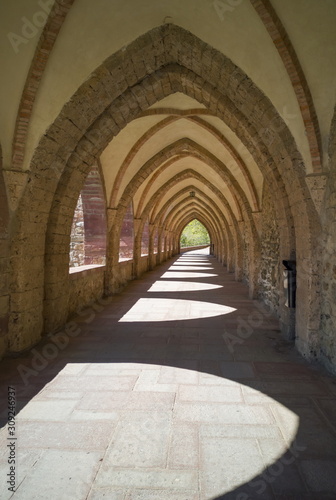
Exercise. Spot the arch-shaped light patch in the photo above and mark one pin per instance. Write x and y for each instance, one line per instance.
(149, 310)
(181, 286)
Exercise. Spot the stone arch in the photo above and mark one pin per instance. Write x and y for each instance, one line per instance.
(196, 207)
(242, 204)
(186, 175)
(165, 60)
(139, 143)
(183, 205)
(188, 218)
(208, 223)
(201, 123)
(192, 150)
(55, 306)
(225, 237)
(94, 218)
(211, 225)
(127, 234)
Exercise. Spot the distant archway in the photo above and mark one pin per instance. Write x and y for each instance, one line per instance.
(194, 234)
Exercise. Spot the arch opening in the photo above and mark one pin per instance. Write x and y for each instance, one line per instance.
(126, 248)
(88, 230)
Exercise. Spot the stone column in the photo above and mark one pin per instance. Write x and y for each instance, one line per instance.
(137, 246)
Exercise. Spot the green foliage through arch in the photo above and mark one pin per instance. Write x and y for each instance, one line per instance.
(194, 234)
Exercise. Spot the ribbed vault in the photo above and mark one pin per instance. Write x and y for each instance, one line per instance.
(166, 113)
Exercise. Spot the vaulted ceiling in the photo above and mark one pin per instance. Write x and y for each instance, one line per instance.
(284, 47)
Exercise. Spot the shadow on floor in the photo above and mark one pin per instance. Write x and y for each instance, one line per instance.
(255, 400)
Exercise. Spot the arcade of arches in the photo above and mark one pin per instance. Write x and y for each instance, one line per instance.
(231, 100)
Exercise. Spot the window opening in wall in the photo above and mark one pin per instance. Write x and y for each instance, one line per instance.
(126, 246)
(77, 248)
(156, 240)
(88, 231)
(145, 239)
(194, 234)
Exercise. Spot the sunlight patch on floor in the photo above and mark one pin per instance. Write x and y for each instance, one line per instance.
(187, 274)
(190, 268)
(181, 286)
(173, 310)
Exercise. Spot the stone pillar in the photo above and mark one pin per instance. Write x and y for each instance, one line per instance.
(160, 253)
(151, 255)
(112, 252)
(137, 246)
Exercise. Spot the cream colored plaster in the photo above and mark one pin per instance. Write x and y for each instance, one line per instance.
(198, 166)
(139, 195)
(171, 207)
(198, 188)
(16, 55)
(243, 152)
(199, 207)
(193, 210)
(310, 25)
(179, 101)
(95, 30)
(178, 130)
(116, 152)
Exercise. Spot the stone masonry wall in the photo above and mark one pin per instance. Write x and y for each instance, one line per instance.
(164, 61)
(94, 218)
(269, 279)
(77, 246)
(85, 287)
(4, 268)
(328, 278)
(88, 231)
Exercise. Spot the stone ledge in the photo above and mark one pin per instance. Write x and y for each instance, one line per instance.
(80, 271)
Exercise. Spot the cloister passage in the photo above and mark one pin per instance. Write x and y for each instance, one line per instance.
(176, 388)
(120, 123)
(106, 158)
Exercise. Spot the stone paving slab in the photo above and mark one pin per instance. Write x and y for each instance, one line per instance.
(210, 394)
(320, 475)
(95, 383)
(28, 458)
(168, 409)
(132, 478)
(184, 446)
(241, 431)
(162, 495)
(225, 414)
(227, 463)
(141, 440)
(59, 410)
(60, 435)
(107, 494)
(66, 475)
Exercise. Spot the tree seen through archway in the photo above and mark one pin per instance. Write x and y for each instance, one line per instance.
(194, 234)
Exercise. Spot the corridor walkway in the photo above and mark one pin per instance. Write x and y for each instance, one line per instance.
(178, 388)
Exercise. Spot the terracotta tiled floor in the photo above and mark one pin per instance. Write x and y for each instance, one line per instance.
(179, 388)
